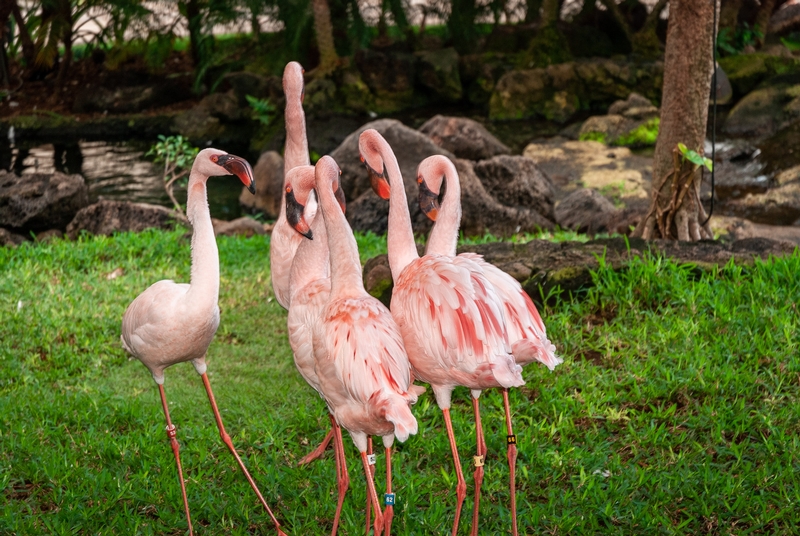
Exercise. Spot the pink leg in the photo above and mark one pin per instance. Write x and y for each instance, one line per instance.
(480, 457)
(319, 451)
(461, 487)
(373, 495)
(227, 440)
(173, 441)
(372, 476)
(388, 513)
(512, 462)
(342, 478)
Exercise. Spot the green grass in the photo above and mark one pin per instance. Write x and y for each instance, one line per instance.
(676, 410)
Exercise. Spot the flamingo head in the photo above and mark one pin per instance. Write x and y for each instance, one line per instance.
(293, 84)
(297, 186)
(370, 145)
(209, 161)
(328, 169)
(432, 184)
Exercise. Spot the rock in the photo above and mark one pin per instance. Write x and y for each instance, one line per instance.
(410, 147)
(785, 19)
(40, 201)
(134, 98)
(624, 117)
(763, 111)
(585, 211)
(437, 71)
(776, 206)
(245, 83)
(738, 170)
(739, 229)
(545, 268)
(268, 175)
(9, 239)
(223, 106)
(49, 235)
(634, 107)
(746, 71)
(107, 217)
(389, 76)
(246, 227)
(613, 171)
(464, 137)
(198, 124)
(557, 92)
(517, 182)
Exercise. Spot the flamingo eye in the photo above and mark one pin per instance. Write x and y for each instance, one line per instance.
(288, 189)
(361, 157)
(214, 158)
(419, 179)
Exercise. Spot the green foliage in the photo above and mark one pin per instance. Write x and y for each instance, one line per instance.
(732, 42)
(177, 154)
(263, 110)
(675, 409)
(593, 136)
(644, 135)
(694, 157)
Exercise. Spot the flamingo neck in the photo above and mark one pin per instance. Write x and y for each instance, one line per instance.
(443, 239)
(311, 259)
(345, 265)
(296, 150)
(204, 281)
(400, 236)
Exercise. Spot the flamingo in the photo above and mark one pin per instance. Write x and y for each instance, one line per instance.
(526, 331)
(452, 322)
(363, 369)
(172, 323)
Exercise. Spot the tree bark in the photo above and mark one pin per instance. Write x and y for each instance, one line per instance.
(688, 65)
(28, 48)
(324, 30)
(762, 19)
(550, 12)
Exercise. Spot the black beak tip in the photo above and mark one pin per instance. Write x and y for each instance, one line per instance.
(252, 188)
(309, 235)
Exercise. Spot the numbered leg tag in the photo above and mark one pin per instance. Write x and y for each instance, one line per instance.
(171, 431)
(512, 439)
(388, 499)
(478, 461)
(371, 458)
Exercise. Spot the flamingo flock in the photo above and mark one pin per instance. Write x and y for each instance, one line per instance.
(454, 320)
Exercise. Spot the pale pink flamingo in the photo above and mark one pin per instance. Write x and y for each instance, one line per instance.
(363, 369)
(526, 331)
(172, 322)
(452, 323)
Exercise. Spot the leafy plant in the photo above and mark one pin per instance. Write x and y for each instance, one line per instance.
(178, 156)
(593, 136)
(643, 135)
(694, 157)
(734, 41)
(263, 110)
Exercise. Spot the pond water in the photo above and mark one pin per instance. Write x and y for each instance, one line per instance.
(117, 171)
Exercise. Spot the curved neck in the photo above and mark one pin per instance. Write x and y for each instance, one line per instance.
(400, 236)
(311, 260)
(204, 281)
(443, 239)
(296, 150)
(346, 278)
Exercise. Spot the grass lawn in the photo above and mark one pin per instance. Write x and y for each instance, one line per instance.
(675, 412)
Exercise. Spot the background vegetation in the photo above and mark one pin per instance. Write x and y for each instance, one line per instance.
(675, 412)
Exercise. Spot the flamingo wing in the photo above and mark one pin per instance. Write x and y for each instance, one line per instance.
(146, 321)
(307, 304)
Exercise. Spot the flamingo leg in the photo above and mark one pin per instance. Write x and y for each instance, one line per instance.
(388, 513)
(480, 457)
(512, 462)
(461, 487)
(173, 441)
(342, 478)
(319, 451)
(227, 440)
(372, 476)
(373, 495)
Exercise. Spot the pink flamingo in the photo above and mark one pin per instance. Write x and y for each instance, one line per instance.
(452, 322)
(526, 331)
(173, 323)
(360, 361)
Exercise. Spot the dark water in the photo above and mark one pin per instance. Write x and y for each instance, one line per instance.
(116, 171)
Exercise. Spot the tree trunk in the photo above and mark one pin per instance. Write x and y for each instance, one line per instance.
(729, 14)
(762, 19)
(28, 48)
(688, 65)
(550, 12)
(532, 8)
(324, 30)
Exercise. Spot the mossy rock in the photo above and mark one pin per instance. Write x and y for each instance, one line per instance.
(747, 71)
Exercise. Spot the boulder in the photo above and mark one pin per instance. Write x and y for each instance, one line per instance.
(224, 106)
(410, 147)
(389, 75)
(738, 229)
(245, 83)
(246, 227)
(623, 118)
(738, 170)
(198, 124)
(614, 171)
(764, 111)
(108, 217)
(464, 137)
(776, 206)
(9, 239)
(634, 107)
(268, 175)
(437, 71)
(40, 201)
(746, 71)
(546, 268)
(49, 235)
(133, 99)
(585, 211)
(516, 181)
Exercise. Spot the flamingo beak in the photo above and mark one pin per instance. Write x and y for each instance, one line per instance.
(236, 165)
(428, 201)
(295, 216)
(379, 182)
